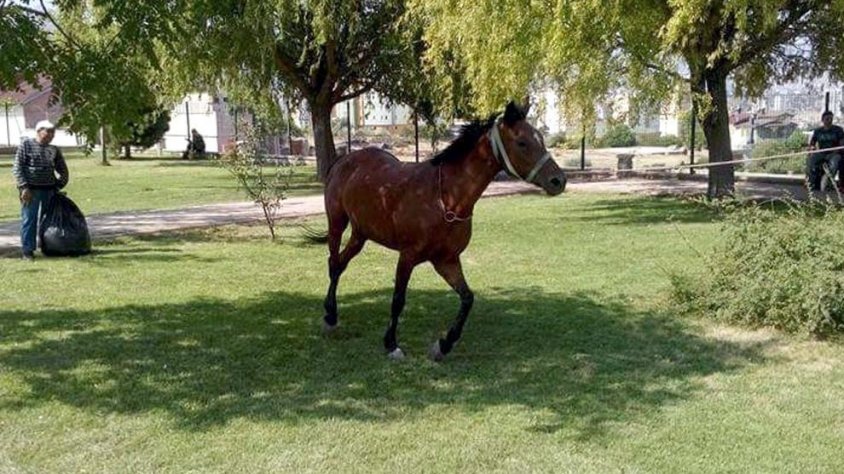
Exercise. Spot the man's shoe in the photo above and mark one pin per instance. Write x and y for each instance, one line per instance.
(28, 256)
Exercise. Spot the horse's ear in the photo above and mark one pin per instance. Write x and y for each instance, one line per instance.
(526, 105)
(513, 113)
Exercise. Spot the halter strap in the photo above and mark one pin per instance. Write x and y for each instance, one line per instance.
(501, 155)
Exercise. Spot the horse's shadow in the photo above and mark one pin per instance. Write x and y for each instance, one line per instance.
(579, 363)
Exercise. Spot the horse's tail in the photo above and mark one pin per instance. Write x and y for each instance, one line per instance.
(313, 236)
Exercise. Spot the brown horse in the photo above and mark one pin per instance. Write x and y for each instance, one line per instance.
(424, 210)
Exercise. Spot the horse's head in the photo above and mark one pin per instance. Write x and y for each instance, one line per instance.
(521, 151)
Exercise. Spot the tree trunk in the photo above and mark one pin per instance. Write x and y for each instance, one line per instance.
(716, 127)
(127, 152)
(326, 155)
(104, 160)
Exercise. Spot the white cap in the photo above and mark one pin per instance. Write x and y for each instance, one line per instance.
(44, 124)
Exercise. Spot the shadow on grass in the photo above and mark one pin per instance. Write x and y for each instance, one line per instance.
(108, 255)
(645, 211)
(581, 364)
(171, 162)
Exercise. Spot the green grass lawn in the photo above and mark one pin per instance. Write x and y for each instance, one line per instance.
(201, 352)
(139, 184)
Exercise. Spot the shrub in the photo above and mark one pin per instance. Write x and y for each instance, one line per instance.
(778, 268)
(575, 163)
(618, 135)
(686, 132)
(155, 123)
(797, 141)
(794, 164)
(436, 134)
(655, 139)
(556, 140)
(573, 142)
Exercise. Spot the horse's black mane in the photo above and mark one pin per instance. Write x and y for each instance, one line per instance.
(465, 142)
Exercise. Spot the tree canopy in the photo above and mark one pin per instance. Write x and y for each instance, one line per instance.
(590, 48)
(320, 51)
(101, 75)
(323, 52)
(106, 57)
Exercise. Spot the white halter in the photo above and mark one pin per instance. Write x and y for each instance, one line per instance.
(501, 155)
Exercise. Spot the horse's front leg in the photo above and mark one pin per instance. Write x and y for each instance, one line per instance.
(403, 272)
(452, 271)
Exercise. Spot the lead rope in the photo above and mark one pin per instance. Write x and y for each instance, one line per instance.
(449, 216)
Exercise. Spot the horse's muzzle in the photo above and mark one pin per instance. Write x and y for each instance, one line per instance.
(555, 184)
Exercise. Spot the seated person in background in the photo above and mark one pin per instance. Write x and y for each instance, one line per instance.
(825, 136)
(196, 146)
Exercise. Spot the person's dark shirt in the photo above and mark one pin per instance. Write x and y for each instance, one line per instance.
(827, 137)
(198, 143)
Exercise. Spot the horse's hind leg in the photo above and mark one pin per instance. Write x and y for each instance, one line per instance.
(452, 271)
(337, 262)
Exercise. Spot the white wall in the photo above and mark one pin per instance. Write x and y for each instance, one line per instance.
(16, 129)
(739, 137)
(63, 139)
(551, 117)
(202, 117)
(376, 113)
(669, 125)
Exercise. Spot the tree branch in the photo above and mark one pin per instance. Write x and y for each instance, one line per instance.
(58, 27)
(674, 74)
(351, 95)
(351, 77)
(29, 10)
(783, 32)
(285, 66)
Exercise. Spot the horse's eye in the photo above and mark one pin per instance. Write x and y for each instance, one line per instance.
(522, 144)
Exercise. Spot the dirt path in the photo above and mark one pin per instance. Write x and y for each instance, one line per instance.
(104, 226)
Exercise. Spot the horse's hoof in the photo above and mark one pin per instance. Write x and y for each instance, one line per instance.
(435, 353)
(328, 328)
(397, 354)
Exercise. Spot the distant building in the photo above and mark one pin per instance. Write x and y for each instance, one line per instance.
(764, 126)
(20, 110)
(371, 110)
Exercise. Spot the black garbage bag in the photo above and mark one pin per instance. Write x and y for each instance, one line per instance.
(63, 230)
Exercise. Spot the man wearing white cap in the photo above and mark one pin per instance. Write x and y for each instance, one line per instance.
(39, 171)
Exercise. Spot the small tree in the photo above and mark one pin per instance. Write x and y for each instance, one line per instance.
(686, 131)
(619, 135)
(266, 184)
(147, 133)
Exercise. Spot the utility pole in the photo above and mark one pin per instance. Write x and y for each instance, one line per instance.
(692, 149)
(416, 133)
(187, 115)
(289, 126)
(8, 130)
(583, 148)
(235, 125)
(752, 128)
(349, 126)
